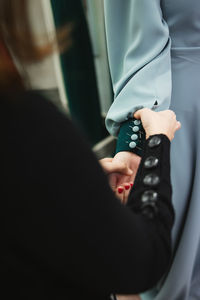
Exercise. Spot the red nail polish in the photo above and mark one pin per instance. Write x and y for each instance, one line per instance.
(120, 190)
(131, 184)
(127, 186)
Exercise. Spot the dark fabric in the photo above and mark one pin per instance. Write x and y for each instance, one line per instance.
(79, 70)
(124, 138)
(64, 235)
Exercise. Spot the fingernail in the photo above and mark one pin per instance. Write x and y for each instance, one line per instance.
(120, 190)
(131, 184)
(127, 186)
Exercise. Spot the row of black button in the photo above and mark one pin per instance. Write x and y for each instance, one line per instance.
(150, 197)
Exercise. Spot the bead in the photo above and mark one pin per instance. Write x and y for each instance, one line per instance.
(154, 141)
(149, 195)
(134, 137)
(136, 129)
(132, 145)
(151, 162)
(151, 179)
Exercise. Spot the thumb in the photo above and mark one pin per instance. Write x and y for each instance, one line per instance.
(138, 114)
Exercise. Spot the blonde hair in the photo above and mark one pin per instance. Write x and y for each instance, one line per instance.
(17, 37)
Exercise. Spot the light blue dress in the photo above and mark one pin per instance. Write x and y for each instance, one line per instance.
(154, 57)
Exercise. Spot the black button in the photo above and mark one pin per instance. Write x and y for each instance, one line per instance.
(149, 195)
(154, 141)
(151, 162)
(149, 210)
(151, 179)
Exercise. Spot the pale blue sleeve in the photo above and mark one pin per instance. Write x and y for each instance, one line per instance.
(139, 57)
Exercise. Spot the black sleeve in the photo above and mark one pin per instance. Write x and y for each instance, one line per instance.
(68, 220)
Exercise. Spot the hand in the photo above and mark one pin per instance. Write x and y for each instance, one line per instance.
(128, 297)
(118, 172)
(115, 166)
(163, 122)
(121, 183)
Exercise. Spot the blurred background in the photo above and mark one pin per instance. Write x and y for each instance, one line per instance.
(78, 81)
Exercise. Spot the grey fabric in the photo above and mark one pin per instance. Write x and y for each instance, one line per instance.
(154, 54)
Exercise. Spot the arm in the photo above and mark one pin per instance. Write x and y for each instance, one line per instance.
(110, 167)
(73, 225)
(139, 57)
(138, 45)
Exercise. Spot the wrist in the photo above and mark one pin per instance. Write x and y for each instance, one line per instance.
(131, 137)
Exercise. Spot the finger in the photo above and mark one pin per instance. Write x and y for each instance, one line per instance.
(131, 184)
(178, 125)
(120, 193)
(106, 159)
(139, 112)
(127, 189)
(113, 181)
(128, 297)
(124, 169)
(118, 167)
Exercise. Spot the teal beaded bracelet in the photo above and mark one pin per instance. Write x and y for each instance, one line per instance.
(131, 137)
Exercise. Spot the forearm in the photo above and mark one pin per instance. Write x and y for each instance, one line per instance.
(150, 224)
(151, 200)
(152, 190)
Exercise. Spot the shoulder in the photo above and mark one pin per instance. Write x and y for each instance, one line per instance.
(30, 109)
(31, 118)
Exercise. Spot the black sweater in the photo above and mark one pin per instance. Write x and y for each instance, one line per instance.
(64, 235)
